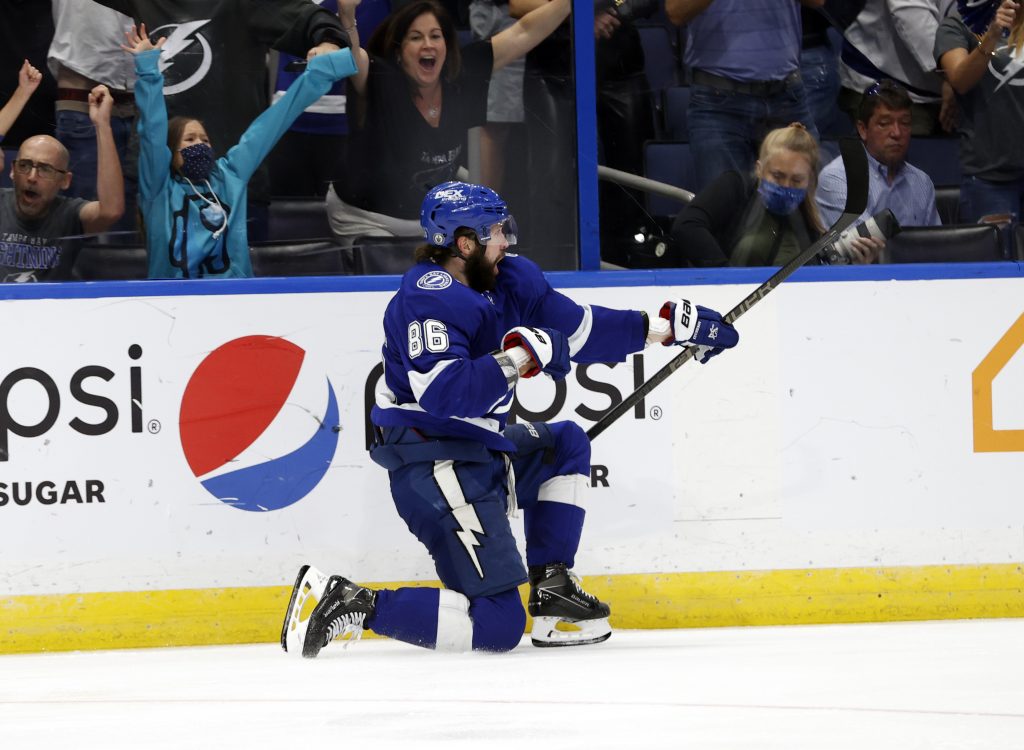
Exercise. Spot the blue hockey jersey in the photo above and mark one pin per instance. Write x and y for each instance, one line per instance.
(439, 375)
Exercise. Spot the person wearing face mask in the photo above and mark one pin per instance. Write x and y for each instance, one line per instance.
(412, 101)
(193, 205)
(469, 320)
(764, 220)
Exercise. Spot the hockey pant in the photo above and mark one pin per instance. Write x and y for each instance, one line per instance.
(459, 509)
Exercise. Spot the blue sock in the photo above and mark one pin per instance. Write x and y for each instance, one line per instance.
(406, 614)
(553, 532)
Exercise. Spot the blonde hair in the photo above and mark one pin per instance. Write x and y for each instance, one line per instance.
(794, 137)
(1016, 39)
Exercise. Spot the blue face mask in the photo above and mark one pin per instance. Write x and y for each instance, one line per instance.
(781, 201)
(977, 14)
(197, 161)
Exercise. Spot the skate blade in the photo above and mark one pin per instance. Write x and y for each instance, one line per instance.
(546, 632)
(306, 594)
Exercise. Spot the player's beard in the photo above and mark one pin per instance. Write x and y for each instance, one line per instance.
(480, 272)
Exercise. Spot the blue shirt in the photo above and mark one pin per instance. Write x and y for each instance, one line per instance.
(746, 40)
(911, 196)
(327, 116)
(179, 242)
(439, 375)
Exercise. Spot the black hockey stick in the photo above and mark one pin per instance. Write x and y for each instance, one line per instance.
(856, 164)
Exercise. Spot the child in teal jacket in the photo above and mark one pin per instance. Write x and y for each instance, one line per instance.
(194, 208)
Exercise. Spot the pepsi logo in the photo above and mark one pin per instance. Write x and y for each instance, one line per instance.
(252, 398)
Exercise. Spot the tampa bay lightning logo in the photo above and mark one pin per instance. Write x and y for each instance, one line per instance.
(186, 56)
(1011, 73)
(249, 399)
(434, 280)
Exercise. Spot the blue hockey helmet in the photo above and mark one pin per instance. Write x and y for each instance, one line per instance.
(451, 205)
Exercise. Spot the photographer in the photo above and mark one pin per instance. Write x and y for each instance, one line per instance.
(883, 123)
(765, 220)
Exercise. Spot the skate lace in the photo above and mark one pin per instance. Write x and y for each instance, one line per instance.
(351, 622)
(579, 588)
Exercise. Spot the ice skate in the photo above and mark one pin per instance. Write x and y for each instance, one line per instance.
(556, 598)
(340, 610)
(309, 588)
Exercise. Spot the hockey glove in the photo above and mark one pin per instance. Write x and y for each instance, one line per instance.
(699, 326)
(548, 350)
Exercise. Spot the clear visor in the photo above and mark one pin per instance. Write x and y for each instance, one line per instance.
(505, 229)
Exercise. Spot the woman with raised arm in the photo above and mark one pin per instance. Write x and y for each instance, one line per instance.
(412, 101)
(193, 206)
(980, 51)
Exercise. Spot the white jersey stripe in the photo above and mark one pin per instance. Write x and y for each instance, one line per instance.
(385, 399)
(582, 333)
(420, 381)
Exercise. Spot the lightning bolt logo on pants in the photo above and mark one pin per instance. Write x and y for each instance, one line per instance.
(463, 513)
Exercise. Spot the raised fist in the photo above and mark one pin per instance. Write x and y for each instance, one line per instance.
(548, 350)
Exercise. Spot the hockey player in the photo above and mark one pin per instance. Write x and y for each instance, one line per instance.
(469, 321)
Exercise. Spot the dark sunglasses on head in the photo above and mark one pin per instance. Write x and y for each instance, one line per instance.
(886, 84)
(46, 171)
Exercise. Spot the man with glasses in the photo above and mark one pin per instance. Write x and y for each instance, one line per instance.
(41, 230)
(884, 124)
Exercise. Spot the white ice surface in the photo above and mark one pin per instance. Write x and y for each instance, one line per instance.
(872, 687)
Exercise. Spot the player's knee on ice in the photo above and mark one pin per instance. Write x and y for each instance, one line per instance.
(499, 621)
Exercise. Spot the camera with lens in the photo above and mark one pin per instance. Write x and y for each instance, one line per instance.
(651, 248)
(882, 226)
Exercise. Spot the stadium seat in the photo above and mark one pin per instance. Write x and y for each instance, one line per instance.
(302, 258)
(677, 101)
(1018, 240)
(110, 262)
(964, 243)
(660, 55)
(938, 157)
(828, 150)
(10, 154)
(383, 255)
(947, 201)
(298, 219)
(672, 163)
